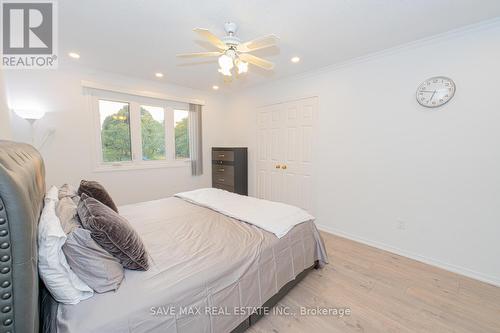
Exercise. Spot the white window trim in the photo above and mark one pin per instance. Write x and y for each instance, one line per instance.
(140, 93)
(134, 102)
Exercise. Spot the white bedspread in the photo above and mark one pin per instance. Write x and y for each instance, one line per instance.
(275, 217)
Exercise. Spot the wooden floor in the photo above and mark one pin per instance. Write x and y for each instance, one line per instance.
(385, 293)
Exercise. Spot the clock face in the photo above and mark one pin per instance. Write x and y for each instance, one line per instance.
(435, 91)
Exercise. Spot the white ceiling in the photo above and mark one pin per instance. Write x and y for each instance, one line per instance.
(140, 37)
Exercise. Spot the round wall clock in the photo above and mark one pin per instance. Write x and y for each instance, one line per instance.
(435, 91)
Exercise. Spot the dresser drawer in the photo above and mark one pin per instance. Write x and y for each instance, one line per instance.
(224, 187)
(223, 170)
(223, 155)
(221, 179)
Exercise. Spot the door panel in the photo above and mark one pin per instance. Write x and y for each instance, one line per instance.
(292, 148)
(306, 144)
(285, 138)
(276, 144)
(277, 190)
(292, 189)
(262, 192)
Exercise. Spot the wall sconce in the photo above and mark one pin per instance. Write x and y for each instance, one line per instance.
(33, 116)
(30, 115)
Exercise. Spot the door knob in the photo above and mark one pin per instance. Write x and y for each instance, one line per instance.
(278, 166)
(283, 166)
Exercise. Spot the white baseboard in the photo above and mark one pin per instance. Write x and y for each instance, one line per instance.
(449, 267)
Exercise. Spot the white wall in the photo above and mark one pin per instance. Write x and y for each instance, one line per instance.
(384, 158)
(68, 153)
(5, 130)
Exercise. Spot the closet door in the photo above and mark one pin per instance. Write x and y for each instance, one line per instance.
(284, 150)
(271, 141)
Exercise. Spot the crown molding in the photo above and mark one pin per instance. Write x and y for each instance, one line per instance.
(419, 43)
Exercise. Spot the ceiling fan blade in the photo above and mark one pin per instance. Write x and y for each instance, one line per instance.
(257, 61)
(213, 39)
(258, 43)
(199, 54)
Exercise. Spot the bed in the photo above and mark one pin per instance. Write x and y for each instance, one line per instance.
(209, 272)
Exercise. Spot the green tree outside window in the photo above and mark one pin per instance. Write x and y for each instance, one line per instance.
(115, 137)
(153, 137)
(182, 139)
(116, 140)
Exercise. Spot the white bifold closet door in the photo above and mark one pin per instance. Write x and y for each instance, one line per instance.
(285, 151)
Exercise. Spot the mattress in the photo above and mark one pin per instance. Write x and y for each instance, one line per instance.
(207, 272)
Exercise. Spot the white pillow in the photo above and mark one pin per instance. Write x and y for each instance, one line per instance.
(54, 270)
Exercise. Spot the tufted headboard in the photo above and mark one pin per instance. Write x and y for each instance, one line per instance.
(22, 190)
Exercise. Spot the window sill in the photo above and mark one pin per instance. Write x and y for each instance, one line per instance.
(104, 167)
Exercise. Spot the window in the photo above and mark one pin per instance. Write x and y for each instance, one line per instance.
(181, 118)
(140, 132)
(153, 133)
(115, 131)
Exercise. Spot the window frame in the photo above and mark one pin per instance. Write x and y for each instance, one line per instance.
(100, 131)
(135, 102)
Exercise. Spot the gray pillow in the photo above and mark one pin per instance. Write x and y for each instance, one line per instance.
(95, 190)
(66, 208)
(113, 232)
(93, 265)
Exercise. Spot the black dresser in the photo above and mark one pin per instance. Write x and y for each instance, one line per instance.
(230, 169)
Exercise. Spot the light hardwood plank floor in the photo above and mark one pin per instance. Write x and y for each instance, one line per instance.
(385, 293)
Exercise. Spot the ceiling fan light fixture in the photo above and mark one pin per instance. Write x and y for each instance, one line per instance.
(232, 54)
(242, 67)
(226, 63)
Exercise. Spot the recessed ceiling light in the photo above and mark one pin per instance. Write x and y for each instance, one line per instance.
(295, 60)
(74, 55)
(159, 74)
(215, 87)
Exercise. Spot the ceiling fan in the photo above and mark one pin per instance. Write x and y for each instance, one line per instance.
(232, 52)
